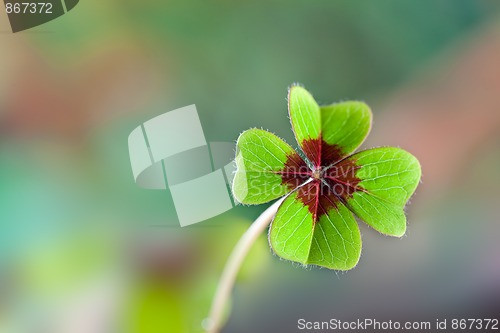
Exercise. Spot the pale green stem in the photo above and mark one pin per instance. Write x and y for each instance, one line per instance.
(213, 324)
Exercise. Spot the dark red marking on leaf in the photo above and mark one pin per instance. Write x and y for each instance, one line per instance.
(295, 172)
(332, 181)
(321, 153)
(309, 195)
(343, 176)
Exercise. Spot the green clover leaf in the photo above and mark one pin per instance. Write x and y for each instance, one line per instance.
(315, 223)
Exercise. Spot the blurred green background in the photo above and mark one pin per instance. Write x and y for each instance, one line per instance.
(83, 249)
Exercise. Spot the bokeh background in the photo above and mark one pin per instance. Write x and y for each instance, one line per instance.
(83, 249)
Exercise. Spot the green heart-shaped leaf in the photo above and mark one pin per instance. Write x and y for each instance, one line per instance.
(328, 133)
(388, 177)
(345, 125)
(319, 234)
(305, 116)
(262, 162)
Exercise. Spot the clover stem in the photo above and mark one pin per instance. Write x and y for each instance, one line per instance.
(213, 323)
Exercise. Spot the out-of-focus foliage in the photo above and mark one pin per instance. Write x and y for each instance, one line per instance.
(168, 292)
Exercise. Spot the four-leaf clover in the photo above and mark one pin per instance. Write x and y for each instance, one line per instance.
(326, 184)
